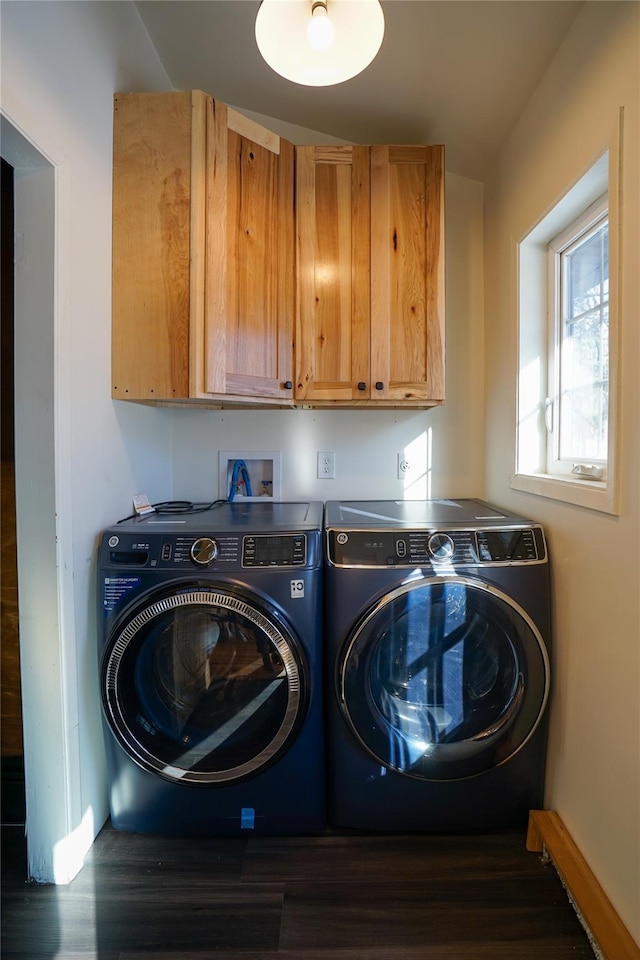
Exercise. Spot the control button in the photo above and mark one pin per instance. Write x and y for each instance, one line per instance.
(401, 548)
(204, 551)
(441, 546)
(166, 551)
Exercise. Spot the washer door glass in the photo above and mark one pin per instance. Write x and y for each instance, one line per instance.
(204, 686)
(444, 678)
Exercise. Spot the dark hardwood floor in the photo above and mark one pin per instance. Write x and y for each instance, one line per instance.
(343, 896)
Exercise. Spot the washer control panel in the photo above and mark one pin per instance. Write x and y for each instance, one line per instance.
(437, 548)
(220, 551)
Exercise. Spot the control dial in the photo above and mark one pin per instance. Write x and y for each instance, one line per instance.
(204, 551)
(441, 546)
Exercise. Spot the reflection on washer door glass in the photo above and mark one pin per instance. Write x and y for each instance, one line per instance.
(213, 684)
(442, 670)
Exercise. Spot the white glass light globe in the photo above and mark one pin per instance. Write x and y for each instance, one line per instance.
(283, 40)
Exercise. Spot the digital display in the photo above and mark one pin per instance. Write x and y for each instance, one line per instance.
(506, 545)
(274, 551)
(366, 548)
(374, 549)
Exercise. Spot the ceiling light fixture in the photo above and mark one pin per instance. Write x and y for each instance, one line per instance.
(319, 42)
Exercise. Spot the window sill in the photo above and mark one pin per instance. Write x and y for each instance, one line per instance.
(591, 494)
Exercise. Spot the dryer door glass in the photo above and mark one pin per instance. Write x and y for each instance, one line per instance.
(444, 678)
(204, 686)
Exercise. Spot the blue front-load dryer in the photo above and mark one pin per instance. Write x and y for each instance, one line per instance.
(210, 651)
(438, 647)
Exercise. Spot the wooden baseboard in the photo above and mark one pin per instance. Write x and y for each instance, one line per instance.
(547, 832)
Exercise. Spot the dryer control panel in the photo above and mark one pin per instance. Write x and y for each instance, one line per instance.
(437, 548)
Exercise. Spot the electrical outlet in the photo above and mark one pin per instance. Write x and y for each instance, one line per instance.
(326, 465)
(404, 466)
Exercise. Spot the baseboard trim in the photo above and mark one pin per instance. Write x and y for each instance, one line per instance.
(609, 935)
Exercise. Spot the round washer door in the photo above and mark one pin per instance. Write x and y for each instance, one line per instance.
(444, 678)
(203, 685)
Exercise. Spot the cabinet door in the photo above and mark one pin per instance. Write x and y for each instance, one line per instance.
(249, 268)
(203, 253)
(407, 273)
(157, 146)
(332, 322)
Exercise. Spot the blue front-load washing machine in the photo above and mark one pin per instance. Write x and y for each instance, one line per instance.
(210, 650)
(438, 642)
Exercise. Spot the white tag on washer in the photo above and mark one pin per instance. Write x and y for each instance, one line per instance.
(141, 504)
(297, 589)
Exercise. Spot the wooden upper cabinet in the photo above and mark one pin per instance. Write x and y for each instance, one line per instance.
(333, 271)
(370, 312)
(407, 272)
(205, 263)
(203, 253)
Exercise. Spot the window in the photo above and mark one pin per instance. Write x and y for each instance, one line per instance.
(576, 407)
(567, 343)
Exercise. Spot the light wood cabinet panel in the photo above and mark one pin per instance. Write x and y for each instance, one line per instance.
(203, 253)
(333, 268)
(151, 246)
(370, 313)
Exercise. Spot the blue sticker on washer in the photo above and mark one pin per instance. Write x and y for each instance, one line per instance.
(115, 588)
(247, 818)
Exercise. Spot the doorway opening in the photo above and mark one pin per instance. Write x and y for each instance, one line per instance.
(13, 798)
(47, 654)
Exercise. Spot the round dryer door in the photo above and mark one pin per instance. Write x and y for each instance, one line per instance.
(444, 678)
(203, 685)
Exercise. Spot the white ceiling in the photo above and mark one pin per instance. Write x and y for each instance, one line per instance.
(457, 72)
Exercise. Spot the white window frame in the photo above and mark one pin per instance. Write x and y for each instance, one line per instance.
(532, 471)
(590, 221)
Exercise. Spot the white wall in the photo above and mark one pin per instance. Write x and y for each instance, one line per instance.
(61, 64)
(79, 456)
(594, 759)
(446, 441)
